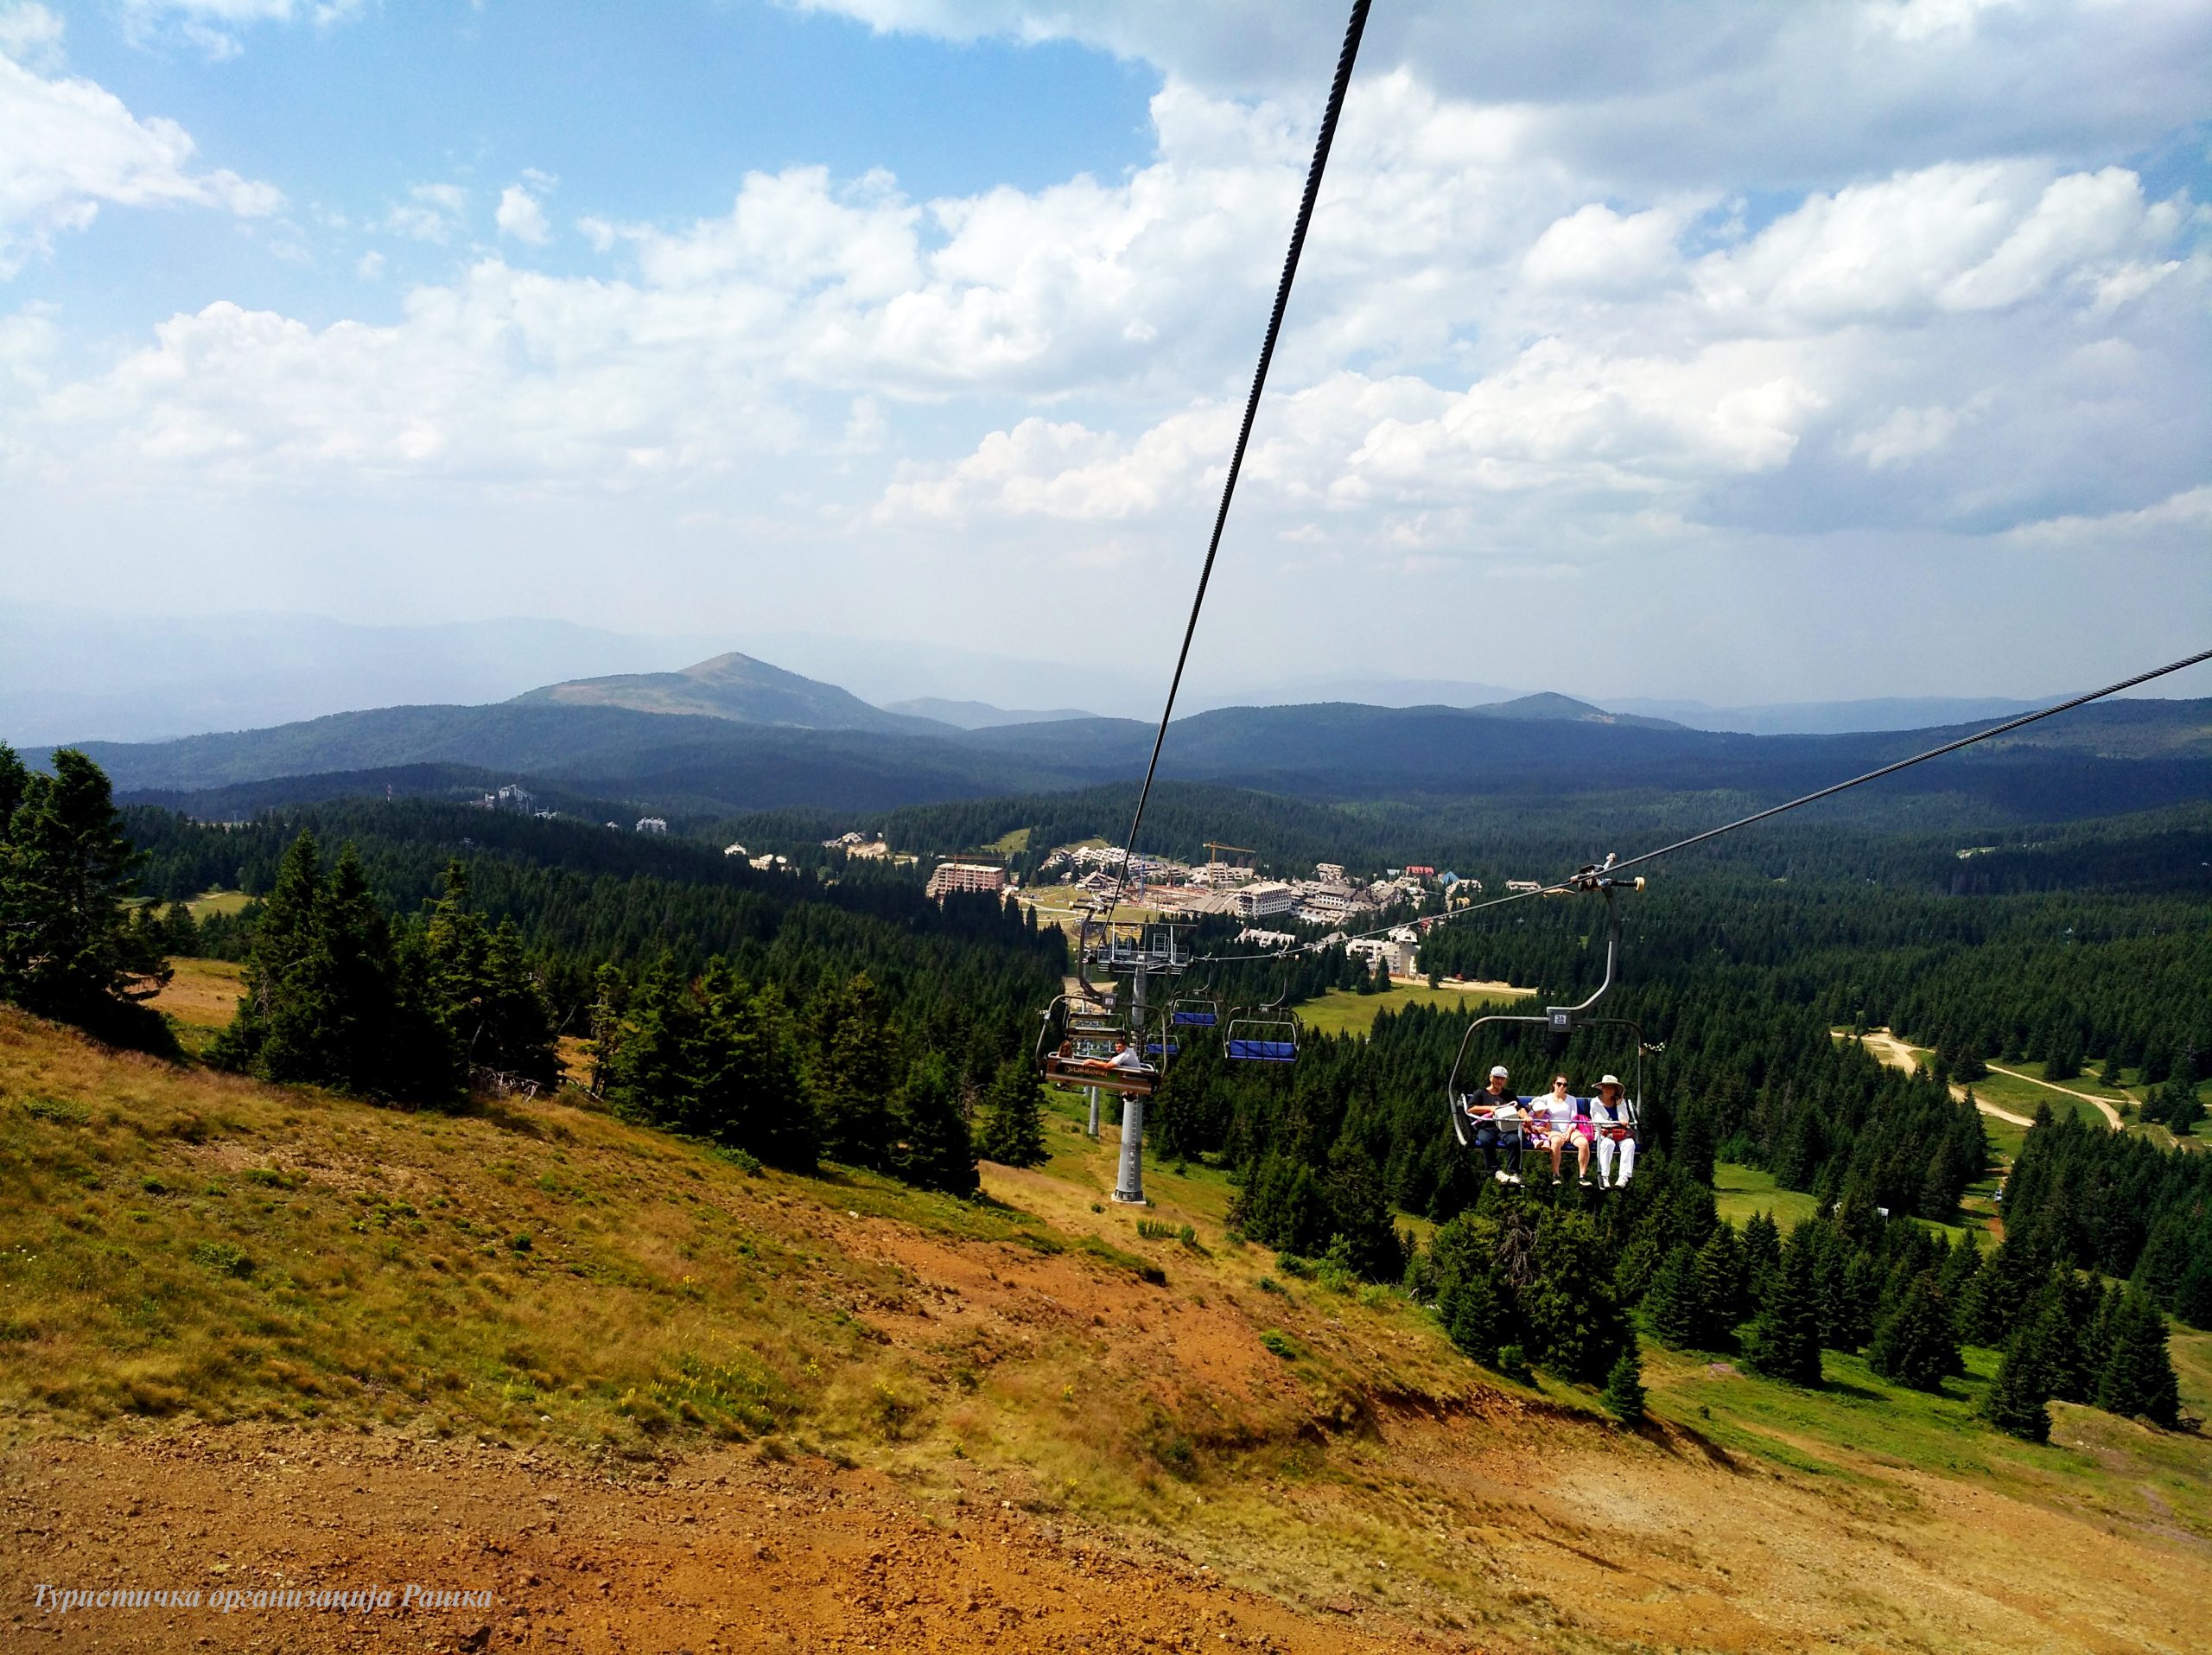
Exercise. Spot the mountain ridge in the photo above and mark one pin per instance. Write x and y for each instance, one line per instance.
(735, 686)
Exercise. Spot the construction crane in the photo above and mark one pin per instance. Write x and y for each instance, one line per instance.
(1214, 847)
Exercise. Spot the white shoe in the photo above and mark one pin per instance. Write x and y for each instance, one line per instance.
(1499, 1175)
(1513, 1177)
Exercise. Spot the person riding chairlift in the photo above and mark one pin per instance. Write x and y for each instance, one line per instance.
(1557, 1118)
(1497, 1115)
(1615, 1120)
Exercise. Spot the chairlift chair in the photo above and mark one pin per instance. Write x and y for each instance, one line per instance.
(1267, 1034)
(1089, 1036)
(1563, 1021)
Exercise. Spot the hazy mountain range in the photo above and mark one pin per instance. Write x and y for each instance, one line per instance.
(735, 734)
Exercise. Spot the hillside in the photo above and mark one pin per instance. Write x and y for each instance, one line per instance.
(633, 1389)
(644, 740)
(734, 686)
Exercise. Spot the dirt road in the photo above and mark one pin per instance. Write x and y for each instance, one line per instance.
(1895, 1053)
(2111, 1115)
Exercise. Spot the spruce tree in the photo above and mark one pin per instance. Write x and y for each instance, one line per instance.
(1013, 1132)
(1784, 1341)
(930, 1145)
(1915, 1345)
(1623, 1393)
(1473, 1311)
(1672, 1304)
(68, 948)
(2138, 1376)
(1761, 1251)
(335, 1017)
(2018, 1403)
(852, 1063)
(280, 942)
(1720, 1287)
(2065, 1313)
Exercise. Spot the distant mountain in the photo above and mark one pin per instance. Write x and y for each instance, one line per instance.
(1547, 706)
(978, 714)
(735, 734)
(1832, 718)
(737, 687)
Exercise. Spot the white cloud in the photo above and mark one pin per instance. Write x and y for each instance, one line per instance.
(520, 216)
(1954, 237)
(213, 27)
(371, 267)
(1596, 249)
(31, 36)
(1509, 346)
(68, 147)
(1675, 96)
(430, 213)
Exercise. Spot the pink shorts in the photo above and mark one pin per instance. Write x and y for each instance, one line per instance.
(1564, 1129)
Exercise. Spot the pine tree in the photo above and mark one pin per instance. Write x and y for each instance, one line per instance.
(1784, 1341)
(931, 1147)
(1960, 1271)
(1915, 1345)
(1761, 1251)
(1473, 1311)
(68, 948)
(281, 936)
(2065, 1313)
(2018, 1403)
(1623, 1393)
(1013, 1118)
(336, 1017)
(1720, 1287)
(852, 1058)
(2138, 1376)
(1672, 1305)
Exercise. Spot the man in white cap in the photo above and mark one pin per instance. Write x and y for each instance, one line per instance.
(1497, 1115)
(1615, 1118)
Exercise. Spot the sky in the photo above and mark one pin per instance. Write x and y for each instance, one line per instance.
(1742, 352)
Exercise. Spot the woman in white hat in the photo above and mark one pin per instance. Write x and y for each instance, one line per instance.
(1615, 1118)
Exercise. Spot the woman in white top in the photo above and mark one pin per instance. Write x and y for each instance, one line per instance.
(1615, 1120)
(1558, 1118)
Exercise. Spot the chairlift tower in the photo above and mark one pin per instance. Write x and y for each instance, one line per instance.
(1139, 950)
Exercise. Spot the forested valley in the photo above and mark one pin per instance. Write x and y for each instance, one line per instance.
(414, 952)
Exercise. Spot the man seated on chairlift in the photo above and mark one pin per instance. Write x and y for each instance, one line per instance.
(1615, 1119)
(1497, 1115)
(1125, 1058)
(1556, 1118)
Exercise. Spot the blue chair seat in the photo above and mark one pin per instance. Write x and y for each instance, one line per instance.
(1196, 1019)
(1258, 1050)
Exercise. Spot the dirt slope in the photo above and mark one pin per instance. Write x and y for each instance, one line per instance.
(653, 1402)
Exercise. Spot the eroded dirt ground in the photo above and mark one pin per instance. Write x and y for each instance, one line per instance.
(728, 1551)
(724, 1552)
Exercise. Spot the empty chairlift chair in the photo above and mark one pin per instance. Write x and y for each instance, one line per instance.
(1262, 1035)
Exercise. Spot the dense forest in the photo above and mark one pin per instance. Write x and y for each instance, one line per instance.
(415, 950)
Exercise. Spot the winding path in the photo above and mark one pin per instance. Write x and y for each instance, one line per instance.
(2112, 1115)
(1895, 1053)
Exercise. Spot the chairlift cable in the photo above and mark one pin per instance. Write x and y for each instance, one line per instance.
(1620, 865)
(1353, 29)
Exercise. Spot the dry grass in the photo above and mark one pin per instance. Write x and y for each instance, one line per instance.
(181, 1245)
